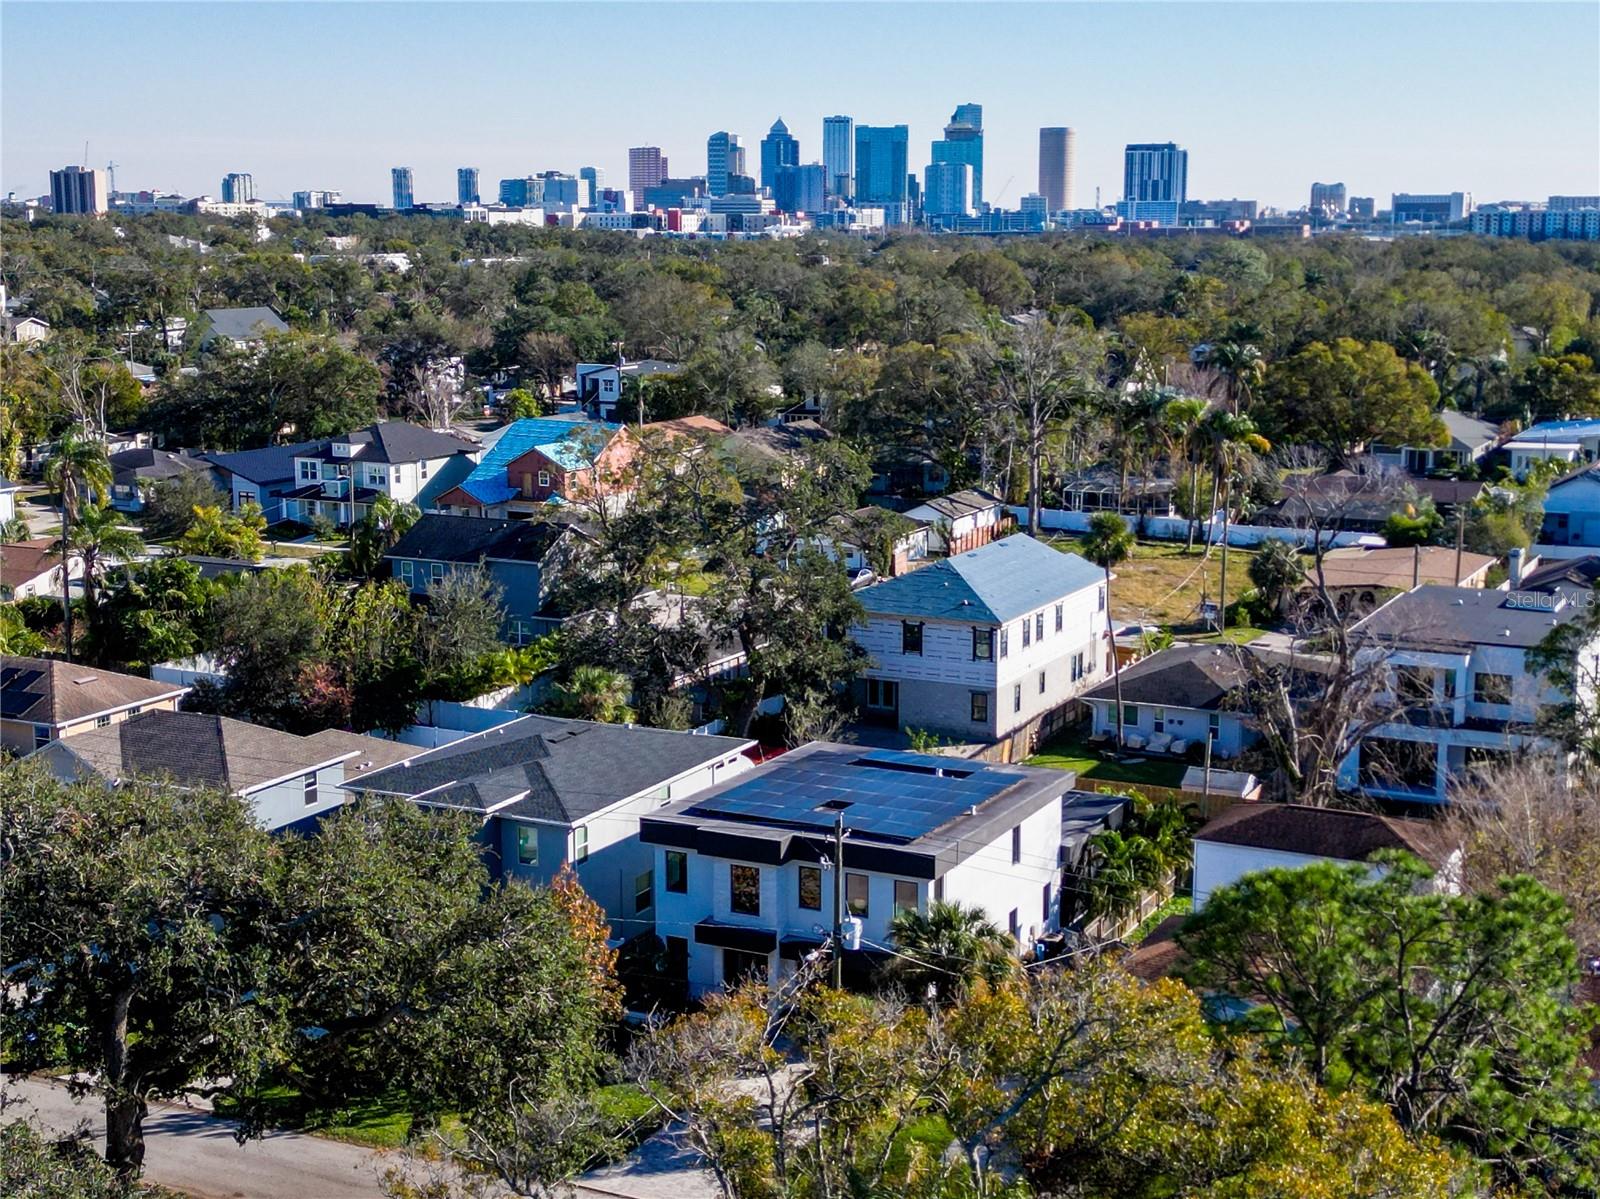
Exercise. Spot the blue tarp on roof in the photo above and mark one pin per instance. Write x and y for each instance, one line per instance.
(999, 582)
(562, 439)
(1560, 430)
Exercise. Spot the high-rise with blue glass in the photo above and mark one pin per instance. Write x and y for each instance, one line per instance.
(838, 156)
(963, 142)
(779, 149)
(400, 177)
(466, 186)
(724, 158)
(881, 169)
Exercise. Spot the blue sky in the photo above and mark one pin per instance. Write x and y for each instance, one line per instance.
(1502, 100)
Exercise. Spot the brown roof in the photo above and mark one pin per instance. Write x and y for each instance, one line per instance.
(689, 424)
(1337, 833)
(46, 691)
(372, 753)
(1158, 955)
(196, 749)
(1394, 567)
(23, 561)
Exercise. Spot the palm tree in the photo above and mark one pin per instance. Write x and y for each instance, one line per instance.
(1234, 442)
(593, 693)
(14, 530)
(1182, 418)
(1122, 867)
(1108, 544)
(387, 520)
(1239, 367)
(97, 536)
(949, 947)
(79, 470)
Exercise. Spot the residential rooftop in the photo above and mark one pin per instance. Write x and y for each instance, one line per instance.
(267, 464)
(440, 538)
(1338, 833)
(564, 439)
(23, 561)
(1185, 676)
(393, 441)
(49, 691)
(155, 464)
(955, 505)
(989, 585)
(550, 768)
(242, 324)
(1398, 567)
(1455, 618)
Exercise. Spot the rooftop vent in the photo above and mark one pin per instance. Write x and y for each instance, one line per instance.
(88, 678)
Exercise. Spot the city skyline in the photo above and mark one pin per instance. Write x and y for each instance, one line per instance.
(301, 112)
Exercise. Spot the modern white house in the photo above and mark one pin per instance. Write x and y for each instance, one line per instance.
(1250, 837)
(290, 781)
(1174, 700)
(1571, 442)
(987, 645)
(1572, 510)
(962, 520)
(553, 792)
(746, 872)
(1469, 440)
(599, 384)
(340, 477)
(1460, 685)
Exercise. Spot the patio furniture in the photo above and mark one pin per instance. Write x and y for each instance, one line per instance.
(1179, 747)
(1159, 742)
(1133, 740)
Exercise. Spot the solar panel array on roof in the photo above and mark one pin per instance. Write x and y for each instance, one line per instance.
(19, 690)
(884, 795)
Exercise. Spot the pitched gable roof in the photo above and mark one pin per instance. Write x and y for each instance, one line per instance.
(552, 435)
(155, 464)
(1343, 835)
(549, 768)
(1185, 676)
(439, 538)
(1568, 572)
(955, 505)
(269, 464)
(24, 561)
(397, 441)
(243, 324)
(996, 583)
(48, 691)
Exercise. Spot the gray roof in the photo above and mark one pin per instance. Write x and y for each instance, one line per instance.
(395, 441)
(550, 768)
(49, 691)
(1336, 833)
(242, 324)
(1468, 432)
(1455, 618)
(1582, 573)
(958, 504)
(1185, 676)
(440, 538)
(195, 749)
(371, 753)
(269, 464)
(996, 583)
(155, 464)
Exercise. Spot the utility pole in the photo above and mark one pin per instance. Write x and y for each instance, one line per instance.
(1461, 528)
(838, 901)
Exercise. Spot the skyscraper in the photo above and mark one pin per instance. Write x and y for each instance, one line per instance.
(1058, 148)
(946, 190)
(401, 179)
(724, 157)
(238, 188)
(881, 169)
(838, 155)
(1155, 171)
(79, 191)
(467, 186)
(778, 149)
(800, 188)
(647, 166)
(592, 180)
(1328, 199)
(963, 142)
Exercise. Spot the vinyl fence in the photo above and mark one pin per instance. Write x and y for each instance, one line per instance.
(1176, 528)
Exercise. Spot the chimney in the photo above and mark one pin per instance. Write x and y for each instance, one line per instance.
(1514, 560)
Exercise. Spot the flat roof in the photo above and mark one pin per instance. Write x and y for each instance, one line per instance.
(1453, 618)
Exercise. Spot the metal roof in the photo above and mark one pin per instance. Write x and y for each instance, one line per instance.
(559, 438)
(993, 584)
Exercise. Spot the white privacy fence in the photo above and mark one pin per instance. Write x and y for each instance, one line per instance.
(1176, 528)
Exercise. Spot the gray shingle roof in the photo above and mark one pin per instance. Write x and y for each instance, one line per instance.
(47, 691)
(243, 324)
(958, 504)
(1467, 432)
(549, 768)
(196, 749)
(1458, 617)
(1185, 676)
(269, 464)
(397, 441)
(1570, 572)
(440, 538)
(155, 464)
(998, 582)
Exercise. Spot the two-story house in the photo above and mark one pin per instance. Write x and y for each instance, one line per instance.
(553, 792)
(746, 873)
(986, 646)
(963, 520)
(263, 477)
(522, 557)
(1459, 683)
(530, 464)
(45, 699)
(340, 477)
(290, 781)
(1572, 510)
(599, 384)
(135, 474)
(1571, 442)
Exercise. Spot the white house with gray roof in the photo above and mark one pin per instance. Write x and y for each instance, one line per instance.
(1467, 440)
(553, 792)
(340, 477)
(1459, 683)
(243, 328)
(990, 644)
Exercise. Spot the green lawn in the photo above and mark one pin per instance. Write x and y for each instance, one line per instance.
(1071, 753)
(379, 1123)
(1178, 905)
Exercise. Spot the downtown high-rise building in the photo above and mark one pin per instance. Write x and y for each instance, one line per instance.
(779, 149)
(467, 186)
(1328, 199)
(1058, 151)
(963, 142)
(1155, 172)
(238, 188)
(800, 188)
(317, 198)
(79, 191)
(947, 190)
(647, 167)
(724, 161)
(591, 180)
(404, 198)
(838, 156)
(881, 169)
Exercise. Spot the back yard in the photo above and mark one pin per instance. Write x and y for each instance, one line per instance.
(1162, 584)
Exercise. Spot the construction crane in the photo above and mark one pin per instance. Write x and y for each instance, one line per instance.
(111, 177)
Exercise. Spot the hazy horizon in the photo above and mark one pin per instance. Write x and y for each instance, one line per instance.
(1267, 97)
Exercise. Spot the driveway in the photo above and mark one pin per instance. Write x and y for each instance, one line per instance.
(193, 1152)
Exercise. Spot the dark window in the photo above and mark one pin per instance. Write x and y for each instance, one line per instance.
(101, 722)
(883, 694)
(938, 889)
(1046, 910)
(1102, 599)
(1038, 626)
(1059, 616)
(527, 845)
(643, 885)
(677, 872)
(982, 645)
(1491, 689)
(1015, 924)
(1130, 714)
(1027, 632)
(1005, 641)
(980, 706)
(744, 890)
(1016, 698)
(309, 786)
(855, 894)
(811, 888)
(1016, 845)
(740, 967)
(905, 896)
(678, 957)
(910, 637)
(1041, 682)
